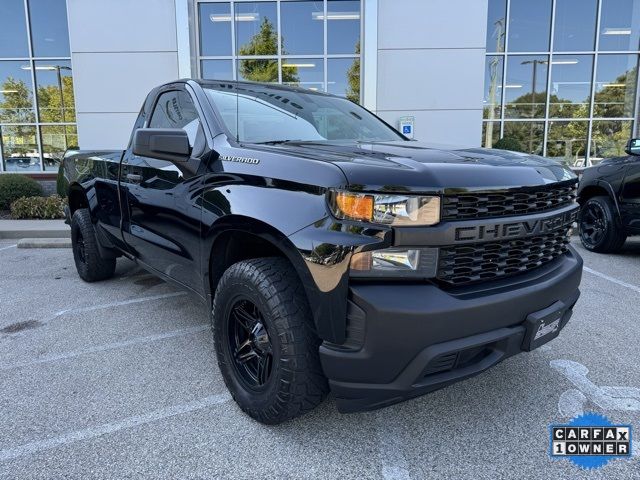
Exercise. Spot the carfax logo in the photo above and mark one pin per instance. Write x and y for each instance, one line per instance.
(590, 440)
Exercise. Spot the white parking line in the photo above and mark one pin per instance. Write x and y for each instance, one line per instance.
(102, 348)
(612, 279)
(7, 248)
(116, 304)
(112, 427)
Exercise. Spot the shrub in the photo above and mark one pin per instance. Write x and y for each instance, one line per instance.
(508, 143)
(14, 186)
(62, 186)
(38, 207)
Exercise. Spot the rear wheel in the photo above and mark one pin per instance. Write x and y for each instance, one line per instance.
(600, 230)
(90, 264)
(265, 345)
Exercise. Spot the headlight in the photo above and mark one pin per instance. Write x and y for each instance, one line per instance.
(387, 209)
(395, 262)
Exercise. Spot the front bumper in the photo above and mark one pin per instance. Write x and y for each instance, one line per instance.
(405, 340)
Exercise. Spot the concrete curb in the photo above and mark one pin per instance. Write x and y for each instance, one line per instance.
(16, 229)
(44, 243)
(16, 234)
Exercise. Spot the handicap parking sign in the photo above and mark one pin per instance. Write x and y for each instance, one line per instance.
(406, 126)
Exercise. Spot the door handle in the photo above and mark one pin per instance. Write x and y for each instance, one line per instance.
(134, 178)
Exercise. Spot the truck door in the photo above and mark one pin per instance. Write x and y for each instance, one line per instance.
(630, 196)
(161, 211)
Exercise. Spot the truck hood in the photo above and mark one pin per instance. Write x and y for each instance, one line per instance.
(421, 167)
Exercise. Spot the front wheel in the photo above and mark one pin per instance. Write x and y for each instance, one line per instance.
(266, 348)
(599, 228)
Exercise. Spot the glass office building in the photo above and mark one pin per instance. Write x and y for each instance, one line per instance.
(552, 77)
(561, 77)
(37, 107)
(312, 44)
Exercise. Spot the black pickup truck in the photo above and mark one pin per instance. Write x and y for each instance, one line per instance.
(334, 253)
(609, 196)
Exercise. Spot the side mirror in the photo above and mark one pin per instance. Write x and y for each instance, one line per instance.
(633, 146)
(170, 144)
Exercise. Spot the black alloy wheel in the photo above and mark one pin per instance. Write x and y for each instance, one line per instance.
(249, 341)
(267, 350)
(599, 225)
(82, 256)
(593, 224)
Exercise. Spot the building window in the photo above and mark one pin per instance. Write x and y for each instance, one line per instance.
(311, 44)
(37, 107)
(561, 77)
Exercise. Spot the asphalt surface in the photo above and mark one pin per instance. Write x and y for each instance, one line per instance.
(118, 380)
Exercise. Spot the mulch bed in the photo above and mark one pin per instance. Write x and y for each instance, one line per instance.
(5, 215)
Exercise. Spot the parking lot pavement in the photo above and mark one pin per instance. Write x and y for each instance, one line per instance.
(118, 379)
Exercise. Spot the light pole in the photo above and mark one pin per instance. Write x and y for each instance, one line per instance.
(534, 77)
(58, 68)
(493, 85)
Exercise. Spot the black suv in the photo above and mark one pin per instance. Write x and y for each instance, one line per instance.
(609, 195)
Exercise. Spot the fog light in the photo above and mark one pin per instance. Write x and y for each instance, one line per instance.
(395, 262)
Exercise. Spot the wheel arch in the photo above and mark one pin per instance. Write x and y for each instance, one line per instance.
(235, 238)
(591, 191)
(77, 198)
(599, 188)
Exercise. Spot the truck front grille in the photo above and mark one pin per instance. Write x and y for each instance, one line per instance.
(467, 264)
(521, 201)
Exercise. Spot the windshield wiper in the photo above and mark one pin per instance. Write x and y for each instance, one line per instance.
(277, 142)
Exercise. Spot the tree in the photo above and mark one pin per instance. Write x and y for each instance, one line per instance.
(509, 143)
(568, 141)
(51, 98)
(56, 103)
(17, 105)
(353, 78)
(616, 99)
(528, 105)
(265, 42)
(609, 137)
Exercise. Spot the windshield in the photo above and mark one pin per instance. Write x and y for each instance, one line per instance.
(262, 114)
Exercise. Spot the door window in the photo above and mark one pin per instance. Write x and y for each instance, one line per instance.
(175, 109)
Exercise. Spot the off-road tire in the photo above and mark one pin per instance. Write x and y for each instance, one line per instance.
(296, 383)
(611, 236)
(90, 264)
